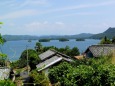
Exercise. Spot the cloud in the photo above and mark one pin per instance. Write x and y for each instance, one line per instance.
(18, 14)
(44, 27)
(59, 23)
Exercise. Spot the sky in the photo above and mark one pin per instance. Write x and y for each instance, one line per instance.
(56, 17)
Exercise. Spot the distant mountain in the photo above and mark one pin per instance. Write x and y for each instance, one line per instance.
(53, 37)
(110, 33)
(84, 35)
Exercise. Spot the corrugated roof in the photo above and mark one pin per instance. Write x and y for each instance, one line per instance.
(48, 62)
(102, 50)
(46, 54)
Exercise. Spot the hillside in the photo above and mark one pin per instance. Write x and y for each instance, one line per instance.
(110, 33)
(19, 37)
(53, 37)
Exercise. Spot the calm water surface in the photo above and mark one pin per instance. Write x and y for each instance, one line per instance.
(14, 48)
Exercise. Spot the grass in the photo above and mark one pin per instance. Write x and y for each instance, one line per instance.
(113, 57)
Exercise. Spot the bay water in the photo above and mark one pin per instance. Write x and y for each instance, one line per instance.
(13, 49)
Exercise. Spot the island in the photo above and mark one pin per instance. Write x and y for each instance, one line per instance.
(80, 39)
(44, 40)
(63, 39)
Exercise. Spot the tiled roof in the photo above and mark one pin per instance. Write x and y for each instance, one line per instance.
(46, 54)
(101, 50)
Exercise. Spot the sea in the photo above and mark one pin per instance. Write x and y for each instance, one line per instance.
(13, 49)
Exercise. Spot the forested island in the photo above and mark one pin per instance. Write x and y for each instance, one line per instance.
(80, 39)
(44, 40)
(63, 39)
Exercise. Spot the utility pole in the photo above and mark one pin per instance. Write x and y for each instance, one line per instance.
(27, 59)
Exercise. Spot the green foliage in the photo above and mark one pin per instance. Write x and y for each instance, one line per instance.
(3, 58)
(14, 64)
(38, 47)
(58, 73)
(87, 72)
(33, 58)
(6, 83)
(1, 22)
(70, 52)
(1, 40)
(40, 79)
(105, 40)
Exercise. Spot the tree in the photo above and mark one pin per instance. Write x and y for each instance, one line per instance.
(113, 40)
(3, 57)
(38, 47)
(1, 39)
(33, 58)
(105, 40)
(70, 52)
(74, 52)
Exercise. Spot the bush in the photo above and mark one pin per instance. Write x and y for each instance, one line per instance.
(93, 72)
(6, 83)
(40, 79)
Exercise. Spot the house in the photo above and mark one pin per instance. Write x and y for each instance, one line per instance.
(99, 50)
(50, 58)
(4, 73)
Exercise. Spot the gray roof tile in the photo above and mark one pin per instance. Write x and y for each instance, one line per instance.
(102, 50)
(46, 54)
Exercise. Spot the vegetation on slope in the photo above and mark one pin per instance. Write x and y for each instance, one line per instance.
(67, 50)
(106, 40)
(87, 72)
(110, 33)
